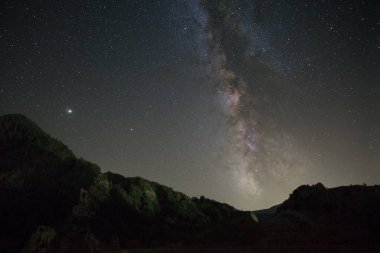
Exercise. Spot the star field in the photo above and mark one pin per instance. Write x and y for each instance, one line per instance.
(240, 101)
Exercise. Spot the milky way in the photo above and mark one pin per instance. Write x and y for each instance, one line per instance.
(251, 155)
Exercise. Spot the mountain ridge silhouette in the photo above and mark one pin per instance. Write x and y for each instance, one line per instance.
(52, 201)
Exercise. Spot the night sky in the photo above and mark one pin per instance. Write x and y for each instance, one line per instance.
(239, 101)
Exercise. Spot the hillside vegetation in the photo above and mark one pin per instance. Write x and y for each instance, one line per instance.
(45, 189)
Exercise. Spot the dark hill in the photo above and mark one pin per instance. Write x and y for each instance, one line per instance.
(22, 137)
(355, 205)
(319, 219)
(40, 178)
(51, 201)
(46, 190)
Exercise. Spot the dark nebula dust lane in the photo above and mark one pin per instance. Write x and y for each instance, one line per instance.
(240, 101)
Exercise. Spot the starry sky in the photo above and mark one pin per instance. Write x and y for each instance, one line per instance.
(237, 100)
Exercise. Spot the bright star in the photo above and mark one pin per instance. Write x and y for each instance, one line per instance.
(69, 111)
